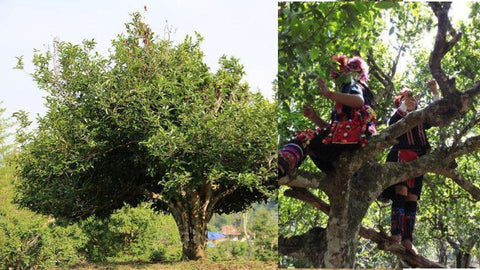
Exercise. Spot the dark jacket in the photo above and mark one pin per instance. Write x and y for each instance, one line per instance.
(415, 139)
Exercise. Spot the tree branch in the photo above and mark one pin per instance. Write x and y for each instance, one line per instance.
(310, 246)
(378, 73)
(215, 198)
(383, 241)
(462, 182)
(442, 47)
(470, 145)
(475, 120)
(305, 179)
(438, 113)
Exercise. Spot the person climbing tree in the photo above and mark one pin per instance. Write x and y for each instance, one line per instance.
(353, 119)
(411, 145)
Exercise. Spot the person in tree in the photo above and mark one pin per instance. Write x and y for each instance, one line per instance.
(411, 145)
(353, 120)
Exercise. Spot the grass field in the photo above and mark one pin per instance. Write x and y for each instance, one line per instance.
(191, 265)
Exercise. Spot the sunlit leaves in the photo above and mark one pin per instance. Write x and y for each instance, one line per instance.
(148, 116)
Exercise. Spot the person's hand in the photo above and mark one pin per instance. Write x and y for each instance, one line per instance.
(432, 84)
(308, 111)
(323, 88)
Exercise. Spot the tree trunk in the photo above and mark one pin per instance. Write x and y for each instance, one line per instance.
(249, 242)
(442, 252)
(348, 206)
(191, 215)
(193, 241)
(463, 259)
(342, 232)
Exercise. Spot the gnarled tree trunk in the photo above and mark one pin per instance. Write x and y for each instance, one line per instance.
(347, 209)
(192, 216)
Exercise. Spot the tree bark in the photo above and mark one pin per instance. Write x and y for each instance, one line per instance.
(192, 219)
(442, 253)
(345, 218)
(309, 247)
(314, 253)
(462, 259)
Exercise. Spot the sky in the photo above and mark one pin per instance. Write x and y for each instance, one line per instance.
(245, 29)
(459, 11)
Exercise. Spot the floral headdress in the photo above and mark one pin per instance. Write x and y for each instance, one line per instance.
(354, 64)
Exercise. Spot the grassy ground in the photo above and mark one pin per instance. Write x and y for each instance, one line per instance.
(191, 265)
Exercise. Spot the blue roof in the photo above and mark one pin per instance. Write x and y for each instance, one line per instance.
(215, 235)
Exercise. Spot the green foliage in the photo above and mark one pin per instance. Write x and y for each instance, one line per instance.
(265, 228)
(28, 240)
(148, 117)
(228, 250)
(132, 234)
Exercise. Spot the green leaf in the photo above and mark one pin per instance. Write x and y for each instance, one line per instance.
(385, 4)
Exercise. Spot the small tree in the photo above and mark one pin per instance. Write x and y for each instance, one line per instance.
(149, 122)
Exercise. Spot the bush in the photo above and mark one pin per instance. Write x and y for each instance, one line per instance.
(28, 242)
(132, 234)
(227, 250)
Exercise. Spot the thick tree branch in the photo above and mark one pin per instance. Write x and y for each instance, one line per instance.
(383, 241)
(470, 145)
(310, 246)
(438, 113)
(462, 182)
(305, 179)
(442, 47)
(216, 197)
(436, 161)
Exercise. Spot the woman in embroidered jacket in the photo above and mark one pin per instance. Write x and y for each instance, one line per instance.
(352, 120)
(411, 145)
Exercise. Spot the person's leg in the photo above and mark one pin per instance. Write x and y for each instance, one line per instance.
(398, 212)
(291, 155)
(410, 215)
(409, 224)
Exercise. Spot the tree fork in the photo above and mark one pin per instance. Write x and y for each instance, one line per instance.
(381, 238)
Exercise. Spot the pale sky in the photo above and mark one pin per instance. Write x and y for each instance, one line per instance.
(246, 29)
(458, 12)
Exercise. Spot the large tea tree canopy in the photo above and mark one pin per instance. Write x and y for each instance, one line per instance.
(150, 121)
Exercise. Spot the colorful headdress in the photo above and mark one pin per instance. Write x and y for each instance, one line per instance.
(354, 64)
(398, 99)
